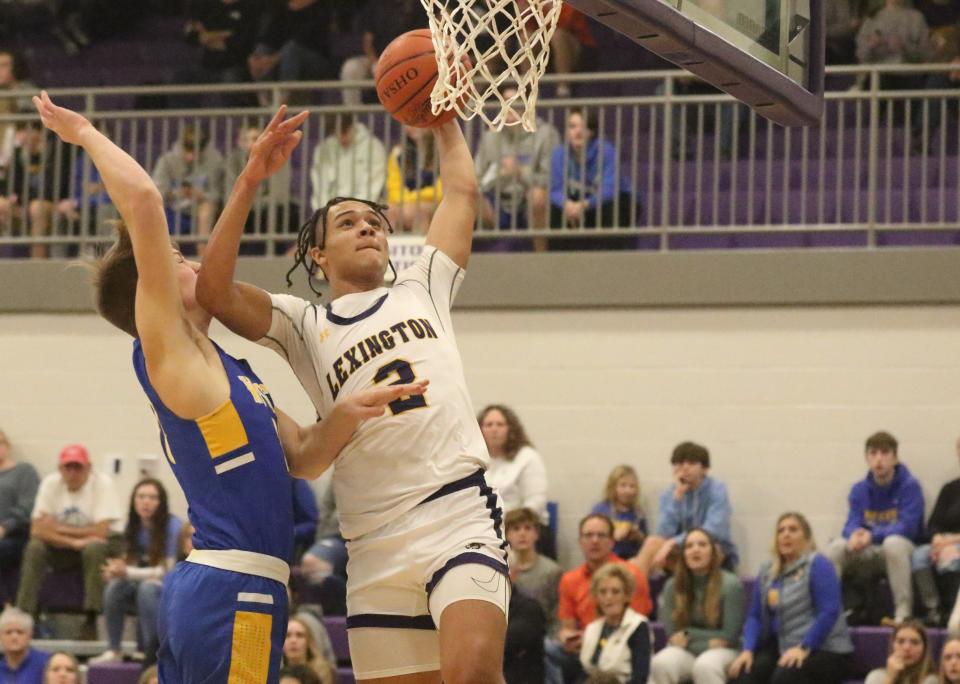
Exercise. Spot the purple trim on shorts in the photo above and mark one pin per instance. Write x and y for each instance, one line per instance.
(390, 621)
(468, 558)
(475, 480)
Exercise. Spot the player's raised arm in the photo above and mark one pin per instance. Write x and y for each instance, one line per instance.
(451, 230)
(159, 310)
(244, 308)
(311, 450)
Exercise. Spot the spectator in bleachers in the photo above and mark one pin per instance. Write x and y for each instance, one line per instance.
(190, 177)
(701, 609)
(795, 631)
(940, 559)
(349, 162)
(293, 43)
(313, 619)
(413, 181)
(378, 29)
(619, 641)
(513, 168)
(576, 607)
(584, 192)
(20, 663)
(895, 34)
(40, 177)
(325, 563)
(695, 499)
(226, 31)
(73, 521)
(841, 20)
(18, 490)
(516, 469)
(909, 660)
(305, 515)
(149, 676)
(532, 574)
(523, 646)
(135, 579)
(621, 503)
(62, 668)
(87, 188)
(884, 521)
(15, 87)
(300, 648)
(950, 662)
(572, 46)
(271, 195)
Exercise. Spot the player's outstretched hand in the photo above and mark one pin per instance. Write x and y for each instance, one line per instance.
(64, 122)
(373, 402)
(274, 146)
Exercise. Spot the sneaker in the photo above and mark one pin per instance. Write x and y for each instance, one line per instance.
(109, 656)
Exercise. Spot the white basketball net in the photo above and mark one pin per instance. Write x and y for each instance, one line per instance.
(508, 44)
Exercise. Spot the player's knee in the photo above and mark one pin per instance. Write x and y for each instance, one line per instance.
(896, 544)
(473, 670)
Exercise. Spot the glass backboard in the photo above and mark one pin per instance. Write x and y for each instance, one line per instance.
(766, 53)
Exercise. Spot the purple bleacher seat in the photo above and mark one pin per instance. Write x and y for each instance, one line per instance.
(870, 645)
(337, 630)
(345, 676)
(62, 592)
(114, 673)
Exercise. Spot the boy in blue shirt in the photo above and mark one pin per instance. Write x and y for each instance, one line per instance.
(884, 521)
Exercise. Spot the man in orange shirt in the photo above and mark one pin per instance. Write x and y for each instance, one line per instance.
(576, 608)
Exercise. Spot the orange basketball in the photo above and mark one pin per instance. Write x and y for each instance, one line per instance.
(405, 74)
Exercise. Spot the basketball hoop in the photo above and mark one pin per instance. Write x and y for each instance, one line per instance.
(507, 43)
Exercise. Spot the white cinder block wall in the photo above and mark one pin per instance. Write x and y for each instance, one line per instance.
(783, 398)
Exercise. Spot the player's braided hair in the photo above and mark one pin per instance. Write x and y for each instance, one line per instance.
(307, 238)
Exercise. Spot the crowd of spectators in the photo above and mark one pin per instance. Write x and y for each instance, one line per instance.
(593, 621)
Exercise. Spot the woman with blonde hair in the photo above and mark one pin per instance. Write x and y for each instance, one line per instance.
(62, 668)
(701, 608)
(619, 641)
(909, 660)
(795, 630)
(300, 648)
(950, 662)
(621, 503)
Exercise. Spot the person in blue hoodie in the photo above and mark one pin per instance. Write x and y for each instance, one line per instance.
(694, 500)
(587, 185)
(884, 522)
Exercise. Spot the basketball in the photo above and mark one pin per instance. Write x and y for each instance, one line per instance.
(405, 74)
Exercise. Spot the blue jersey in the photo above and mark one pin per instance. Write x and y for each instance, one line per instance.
(230, 465)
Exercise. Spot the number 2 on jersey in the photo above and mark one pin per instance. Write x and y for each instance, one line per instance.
(405, 375)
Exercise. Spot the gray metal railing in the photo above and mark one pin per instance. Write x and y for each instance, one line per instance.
(688, 169)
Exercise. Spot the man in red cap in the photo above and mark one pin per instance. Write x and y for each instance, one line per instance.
(72, 520)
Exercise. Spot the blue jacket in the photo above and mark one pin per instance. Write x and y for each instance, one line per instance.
(885, 511)
(572, 179)
(305, 514)
(800, 607)
(707, 506)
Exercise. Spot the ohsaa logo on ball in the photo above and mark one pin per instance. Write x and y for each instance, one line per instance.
(399, 83)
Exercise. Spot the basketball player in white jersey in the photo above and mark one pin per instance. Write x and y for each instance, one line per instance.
(427, 593)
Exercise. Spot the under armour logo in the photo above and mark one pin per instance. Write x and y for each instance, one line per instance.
(474, 545)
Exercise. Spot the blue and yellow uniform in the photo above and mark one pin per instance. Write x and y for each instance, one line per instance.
(223, 615)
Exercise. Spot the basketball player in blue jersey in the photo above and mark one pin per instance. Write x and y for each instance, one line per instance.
(223, 613)
(427, 589)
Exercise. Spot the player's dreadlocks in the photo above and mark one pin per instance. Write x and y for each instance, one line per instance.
(307, 238)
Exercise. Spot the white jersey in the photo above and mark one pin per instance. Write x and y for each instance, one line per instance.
(387, 336)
